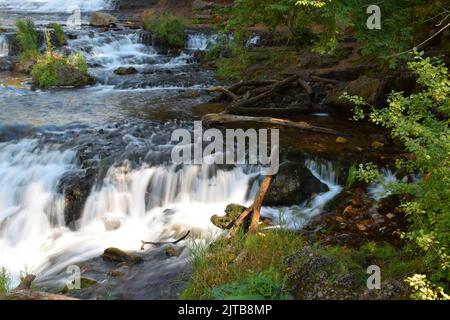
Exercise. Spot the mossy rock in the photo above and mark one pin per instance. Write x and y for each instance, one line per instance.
(232, 213)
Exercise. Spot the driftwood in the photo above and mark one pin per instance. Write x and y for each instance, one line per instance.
(256, 91)
(236, 87)
(161, 243)
(227, 119)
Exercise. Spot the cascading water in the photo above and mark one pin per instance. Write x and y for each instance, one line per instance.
(200, 41)
(4, 47)
(56, 5)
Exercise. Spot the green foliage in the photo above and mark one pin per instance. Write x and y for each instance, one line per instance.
(166, 28)
(351, 177)
(5, 282)
(367, 173)
(265, 285)
(420, 121)
(27, 38)
(59, 34)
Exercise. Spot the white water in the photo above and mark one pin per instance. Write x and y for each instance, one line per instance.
(200, 41)
(131, 205)
(151, 203)
(55, 5)
(4, 49)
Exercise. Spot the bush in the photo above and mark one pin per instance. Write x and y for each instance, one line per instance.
(420, 121)
(27, 38)
(166, 29)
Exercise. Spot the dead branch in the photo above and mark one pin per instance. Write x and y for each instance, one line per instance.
(258, 203)
(236, 87)
(161, 243)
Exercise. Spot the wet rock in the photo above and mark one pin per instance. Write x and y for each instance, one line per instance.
(293, 184)
(377, 145)
(370, 89)
(101, 19)
(116, 273)
(341, 140)
(85, 283)
(8, 63)
(232, 213)
(121, 71)
(76, 187)
(69, 76)
(344, 74)
(174, 251)
(315, 277)
(137, 4)
(117, 255)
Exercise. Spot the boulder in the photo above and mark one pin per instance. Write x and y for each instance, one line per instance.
(101, 19)
(8, 63)
(311, 276)
(69, 76)
(117, 255)
(75, 186)
(122, 71)
(293, 184)
(232, 213)
(370, 89)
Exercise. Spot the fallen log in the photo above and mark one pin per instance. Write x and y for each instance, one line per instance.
(229, 119)
(236, 87)
(144, 243)
(325, 80)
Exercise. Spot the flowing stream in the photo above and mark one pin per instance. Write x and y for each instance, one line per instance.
(118, 131)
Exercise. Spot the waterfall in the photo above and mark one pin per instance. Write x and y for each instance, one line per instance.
(200, 41)
(4, 47)
(56, 5)
(150, 203)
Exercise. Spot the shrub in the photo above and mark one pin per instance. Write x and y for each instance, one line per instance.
(27, 38)
(165, 28)
(420, 121)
